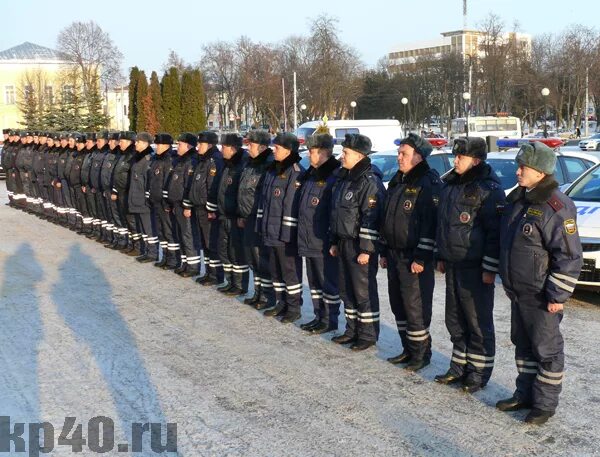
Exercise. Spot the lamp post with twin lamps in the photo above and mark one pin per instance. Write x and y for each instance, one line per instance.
(545, 93)
(405, 102)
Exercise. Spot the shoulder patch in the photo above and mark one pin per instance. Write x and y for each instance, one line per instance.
(555, 203)
(570, 226)
(297, 167)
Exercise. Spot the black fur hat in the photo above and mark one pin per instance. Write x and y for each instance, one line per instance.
(6, 131)
(91, 136)
(259, 136)
(419, 144)
(128, 135)
(288, 141)
(114, 136)
(231, 139)
(209, 137)
(163, 138)
(472, 147)
(357, 142)
(103, 135)
(188, 138)
(80, 138)
(74, 135)
(320, 141)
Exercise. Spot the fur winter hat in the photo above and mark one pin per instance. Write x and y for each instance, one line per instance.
(209, 137)
(188, 138)
(357, 142)
(128, 135)
(287, 141)
(259, 136)
(320, 141)
(145, 136)
(103, 135)
(419, 144)
(163, 138)
(537, 156)
(231, 139)
(472, 147)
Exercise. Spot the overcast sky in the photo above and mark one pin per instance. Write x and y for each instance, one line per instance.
(145, 31)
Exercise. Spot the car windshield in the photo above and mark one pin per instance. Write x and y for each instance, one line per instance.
(595, 137)
(506, 170)
(304, 132)
(588, 189)
(388, 165)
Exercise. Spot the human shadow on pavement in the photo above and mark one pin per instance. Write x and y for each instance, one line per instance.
(83, 296)
(21, 332)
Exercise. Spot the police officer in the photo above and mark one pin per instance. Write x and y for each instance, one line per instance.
(75, 181)
(46, 180)
(357, 203)
(160, 167)
(106, 169)
(9, 154)
(57, 200)
(278, 222)
(73, 213)
(117, 226)
(467, 238)
(313, 233)
(137, 203)
(540, 262)
(63, 185)
(89, 222)
(177, 187)
(203, 196)
(260, 156)
(231, 248)
(6, 146)
(120, 186)
(38, 170)
(407, 246)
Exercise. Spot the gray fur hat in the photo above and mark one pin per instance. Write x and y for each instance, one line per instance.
(320, 141)
(145, 136)
(419, 144)
(287, 141)
(259, 136)
(538, 156)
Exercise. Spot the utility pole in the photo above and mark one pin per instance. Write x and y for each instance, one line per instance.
(284, 111)
(587, 94)
(295, 104)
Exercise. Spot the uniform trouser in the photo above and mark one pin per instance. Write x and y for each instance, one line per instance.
(323, 275)
(183, 230)
(358, 291)
(74, 213)
(90, 199)
(58, 201)
(81, 205)
(111, 228)
(46, 194)
(257, 256)
(208, 232)
(470, 322)
(539, 351)
(69, 210)
(101, 209)
(26, 184)
(411, 297)
(166, 235)
(143, 223)
(285, 266)
(231, 253)
(129, 234)
(119, 228)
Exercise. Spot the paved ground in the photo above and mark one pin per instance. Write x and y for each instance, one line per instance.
(86, 331)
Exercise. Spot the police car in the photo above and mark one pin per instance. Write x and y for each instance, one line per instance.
(591, 144)
(585, 193)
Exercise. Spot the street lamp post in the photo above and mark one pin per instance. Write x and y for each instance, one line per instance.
(353, 105)
(467, 99)
(405, 102)
(545, 93)
(302, 109)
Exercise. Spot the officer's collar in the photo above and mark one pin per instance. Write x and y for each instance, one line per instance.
(416, 173)
(208, 154)
(235, 159)
(540, 194)
(140, 155)
(325, 170)
(359, 169)
(261, 158)
(478, 171)
(290, 160)
(130, 148)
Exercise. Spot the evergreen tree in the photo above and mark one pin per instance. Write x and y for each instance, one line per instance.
(94, 118)
(29, 107)
(193, 116)
(141, 92)
(151, 105)
(171, 102)
(133, 82)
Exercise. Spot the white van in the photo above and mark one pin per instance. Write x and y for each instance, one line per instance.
(382, 132)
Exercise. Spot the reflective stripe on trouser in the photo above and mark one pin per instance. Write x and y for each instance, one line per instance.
(411, 297)
(323, 275)
(539, 352)
(470, 322)
(183, 230)
(257, 257)
(285, 266)
(358, 291)
(150, 241)
(165, 234)
(231, 253)
(208, 231)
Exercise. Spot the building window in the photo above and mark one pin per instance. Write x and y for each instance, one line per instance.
(9, 95)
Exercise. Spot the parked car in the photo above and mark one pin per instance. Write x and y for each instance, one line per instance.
(585, 193)
(590, 144)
